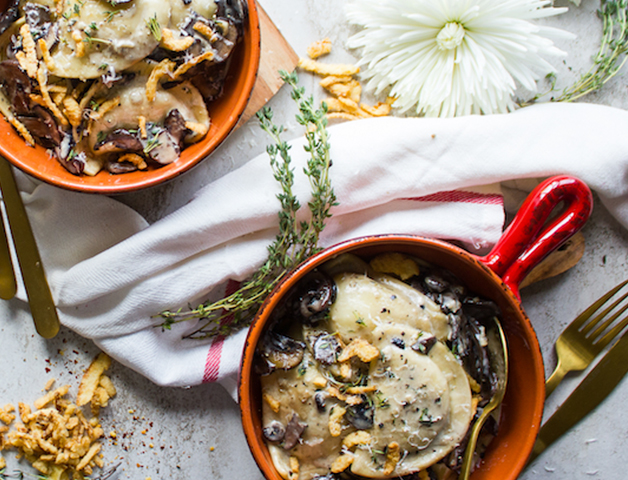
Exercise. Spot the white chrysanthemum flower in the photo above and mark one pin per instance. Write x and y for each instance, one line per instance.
(453, 57)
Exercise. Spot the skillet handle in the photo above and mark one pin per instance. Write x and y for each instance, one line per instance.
(528, 239)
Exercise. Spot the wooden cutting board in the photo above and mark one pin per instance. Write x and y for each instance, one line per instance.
(276, 55)
(557, 262)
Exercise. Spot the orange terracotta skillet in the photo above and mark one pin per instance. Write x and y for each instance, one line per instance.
(224, 113)
(530, 237)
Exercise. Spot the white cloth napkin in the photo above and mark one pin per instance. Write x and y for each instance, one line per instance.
(110, 272)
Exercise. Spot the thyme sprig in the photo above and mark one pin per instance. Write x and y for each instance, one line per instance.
(153, 25)
(608, 60)
(611, 55)
(297, 239)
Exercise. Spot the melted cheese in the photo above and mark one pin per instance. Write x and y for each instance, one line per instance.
(110, 40)
(428, 401)
(439, 326)
(294, 390)
(365, 303)
(422, 401)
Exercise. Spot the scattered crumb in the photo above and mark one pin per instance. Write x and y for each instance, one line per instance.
(56, 437)
(339, 81)
(319, 48)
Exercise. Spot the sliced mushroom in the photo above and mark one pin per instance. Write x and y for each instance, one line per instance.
(9, 15)
(38, 18)
(74, 163)
(424, 343)
(360, 415)
(235, 10)
(209, 76)
(175, 125)
(435, 283)
(326, 348)
(162, 148)
(317, 292)
(294, 430)
(43, 126)
(209, 79)
(17, 86)
(467, 341)
(226, 38)
(281, 351)
(274, 432)
(120, 140)
(113, 166)
(480, 309)
(320, 398)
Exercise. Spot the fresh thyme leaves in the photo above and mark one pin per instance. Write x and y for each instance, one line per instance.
(110, 14)
(608, 60)
(611, 55)
(381, 401)
(89, 35)
(154, 27)
(153, 141)
(295, 241)
(426, 418)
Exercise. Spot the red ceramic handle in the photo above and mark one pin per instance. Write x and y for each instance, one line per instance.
(530, 237)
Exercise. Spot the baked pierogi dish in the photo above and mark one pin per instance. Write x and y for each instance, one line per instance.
(119, 85)
(375, 370)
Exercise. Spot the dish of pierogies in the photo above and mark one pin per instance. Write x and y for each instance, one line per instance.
(119, 85)
(375, 371)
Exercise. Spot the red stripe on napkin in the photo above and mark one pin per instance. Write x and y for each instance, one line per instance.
(212, 362)
(461, 197)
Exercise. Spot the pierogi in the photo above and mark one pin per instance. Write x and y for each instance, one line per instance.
(359, 378)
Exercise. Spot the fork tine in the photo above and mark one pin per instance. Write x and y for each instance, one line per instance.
(608, 322)
(584, 316)
(611, 334)
(602, 326)
(576, 348)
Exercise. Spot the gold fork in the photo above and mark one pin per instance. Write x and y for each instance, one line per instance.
(8, 283)
(580, 342)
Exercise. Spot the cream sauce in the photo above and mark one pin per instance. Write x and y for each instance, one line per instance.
(422, 402)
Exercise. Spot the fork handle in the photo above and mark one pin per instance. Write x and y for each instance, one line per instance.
(555, 378)
(530, 237)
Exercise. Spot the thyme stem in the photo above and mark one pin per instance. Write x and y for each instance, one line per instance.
(609, 59)
(613, 46)
(296, 240)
